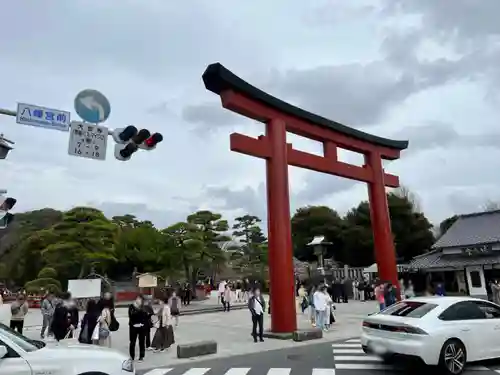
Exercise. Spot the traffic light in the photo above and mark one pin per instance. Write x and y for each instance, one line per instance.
(151, 142)
(124, 135)
(133, 140)
(7, 204)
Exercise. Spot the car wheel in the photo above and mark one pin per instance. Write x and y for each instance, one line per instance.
(453, 357)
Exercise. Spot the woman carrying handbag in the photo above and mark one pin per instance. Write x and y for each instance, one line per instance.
(164, 335)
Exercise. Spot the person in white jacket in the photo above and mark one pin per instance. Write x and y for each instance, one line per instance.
(321, 306)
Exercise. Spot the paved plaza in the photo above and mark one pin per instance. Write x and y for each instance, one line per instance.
(231, 331)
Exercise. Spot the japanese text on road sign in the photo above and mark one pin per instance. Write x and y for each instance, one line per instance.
(29, 114)
(88, 140)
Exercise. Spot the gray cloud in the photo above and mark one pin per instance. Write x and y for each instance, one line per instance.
(421, 69)
(207, 115)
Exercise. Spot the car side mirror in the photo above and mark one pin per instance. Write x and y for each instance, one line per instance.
(3, 351)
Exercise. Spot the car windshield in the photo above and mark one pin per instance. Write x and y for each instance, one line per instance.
(23, 342)
(409, 309)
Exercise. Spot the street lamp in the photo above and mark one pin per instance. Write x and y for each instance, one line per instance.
(318, 244)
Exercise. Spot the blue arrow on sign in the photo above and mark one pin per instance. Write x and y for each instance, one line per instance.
(92, 106)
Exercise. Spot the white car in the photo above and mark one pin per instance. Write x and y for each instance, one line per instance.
(22, 356)
(443, 331)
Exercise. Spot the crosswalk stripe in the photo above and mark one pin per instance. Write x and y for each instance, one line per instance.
(238, 371)
(364, 366)
(355, 358)
(340, 346)
(158, 371)
(357, 341)
(348, 351)
(197, 371)
(323, 371)
(279, 371)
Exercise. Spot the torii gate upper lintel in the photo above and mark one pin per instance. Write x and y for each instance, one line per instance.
(280, 118)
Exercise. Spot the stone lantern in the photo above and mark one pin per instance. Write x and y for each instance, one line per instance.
(319, 244)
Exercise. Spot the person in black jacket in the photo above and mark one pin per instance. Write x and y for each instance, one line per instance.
(257, 306)
(149, 323)
(137, 322)
(89, 322)
(65, 319)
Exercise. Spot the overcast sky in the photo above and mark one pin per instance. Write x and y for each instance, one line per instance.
(422, 70)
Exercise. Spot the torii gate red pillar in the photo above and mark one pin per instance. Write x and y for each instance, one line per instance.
(280, 118)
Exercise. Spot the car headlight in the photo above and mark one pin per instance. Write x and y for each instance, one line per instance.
(128, 365)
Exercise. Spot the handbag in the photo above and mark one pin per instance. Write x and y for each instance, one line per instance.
(113, 325)
(95, 333)
(103, 333)
(84, 335)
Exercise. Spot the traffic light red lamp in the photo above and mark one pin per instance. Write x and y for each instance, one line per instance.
(133, 140)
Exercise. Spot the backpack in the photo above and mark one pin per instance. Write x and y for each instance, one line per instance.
(114, 325)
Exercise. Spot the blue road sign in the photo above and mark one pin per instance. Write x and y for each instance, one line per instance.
(34, 115)
(92, 106)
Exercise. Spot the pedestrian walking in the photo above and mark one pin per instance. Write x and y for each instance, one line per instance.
(379, 295)
(389, 295)
(174, 303)
(137, 320)
(221, 289)
(105, 319)
(186, 295)
(47, 308)
(321, 305)
(228, 295)
(149, 322)
(65, 319)
(89, 323)
(329, 304)
(257, 306)
(164, 335)
(312, 310)
(18, 309)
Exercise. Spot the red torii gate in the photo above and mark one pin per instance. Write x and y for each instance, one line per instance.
(280, 117)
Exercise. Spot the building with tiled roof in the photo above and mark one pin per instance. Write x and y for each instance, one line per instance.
(467, 256)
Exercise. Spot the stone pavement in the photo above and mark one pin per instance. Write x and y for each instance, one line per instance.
(232, 332)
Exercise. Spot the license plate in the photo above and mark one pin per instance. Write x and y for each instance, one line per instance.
(376, 348)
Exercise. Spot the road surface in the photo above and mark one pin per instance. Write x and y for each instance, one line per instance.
(334, 358)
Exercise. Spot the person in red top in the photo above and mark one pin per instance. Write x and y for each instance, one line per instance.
(379, 295)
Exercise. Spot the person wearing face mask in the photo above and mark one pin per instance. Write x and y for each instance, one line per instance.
(65, 318)
(138, 318)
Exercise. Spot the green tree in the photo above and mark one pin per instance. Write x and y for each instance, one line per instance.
(357, 236)
(19, 249)
(253, 250)
(45, 281)
(206, 231)
(411, 230)
(84, 238)
(186, 246)
(311, 221)
(138, 245)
